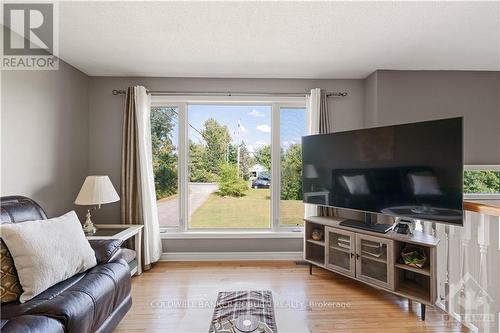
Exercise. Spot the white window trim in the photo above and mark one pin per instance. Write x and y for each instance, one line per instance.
(276, 230)
(482, 167)
(224, 234)
(482, 196)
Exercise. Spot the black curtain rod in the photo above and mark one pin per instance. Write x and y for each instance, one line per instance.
(225, 93)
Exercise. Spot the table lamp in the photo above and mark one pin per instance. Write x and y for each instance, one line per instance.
(310, 172)
(95, 191)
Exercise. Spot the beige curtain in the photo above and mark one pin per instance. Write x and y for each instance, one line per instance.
(138, 204)
(131, 211)
(324, 127)
(318, 123)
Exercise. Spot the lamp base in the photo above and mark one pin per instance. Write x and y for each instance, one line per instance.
(88, 227)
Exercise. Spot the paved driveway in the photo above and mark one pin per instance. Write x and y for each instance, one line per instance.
(168, 210)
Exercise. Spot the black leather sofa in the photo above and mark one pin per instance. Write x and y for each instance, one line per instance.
(92, 301)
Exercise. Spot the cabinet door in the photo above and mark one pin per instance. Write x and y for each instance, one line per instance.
(374, 260)
(339, 250)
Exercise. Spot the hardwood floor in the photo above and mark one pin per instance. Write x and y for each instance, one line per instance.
(328, 302)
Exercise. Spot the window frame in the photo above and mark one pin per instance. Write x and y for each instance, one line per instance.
(277, 144)
(276, 103)
(481, 196)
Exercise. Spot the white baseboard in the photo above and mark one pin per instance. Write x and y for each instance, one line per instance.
(230, 256)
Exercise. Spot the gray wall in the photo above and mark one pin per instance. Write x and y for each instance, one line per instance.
(106, 114)
(370, 100)
(408, 96)
(233, 245)
(57, 127)
(45, 135)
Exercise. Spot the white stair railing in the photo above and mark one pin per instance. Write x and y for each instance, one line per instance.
(469, 270)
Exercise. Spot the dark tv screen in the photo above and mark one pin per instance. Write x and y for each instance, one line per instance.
(410, 170)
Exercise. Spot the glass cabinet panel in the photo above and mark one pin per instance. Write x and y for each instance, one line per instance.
(374, 260)
(340, 251)
(374, 250)
(374, 269)
(340, 258)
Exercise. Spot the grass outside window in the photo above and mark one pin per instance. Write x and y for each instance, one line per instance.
(250, 211)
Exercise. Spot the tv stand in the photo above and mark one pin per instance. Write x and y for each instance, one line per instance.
(373, 258)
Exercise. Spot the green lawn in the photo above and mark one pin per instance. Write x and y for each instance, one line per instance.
(292, 212)
(250, 211)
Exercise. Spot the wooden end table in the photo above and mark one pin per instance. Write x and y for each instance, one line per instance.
(123, 232)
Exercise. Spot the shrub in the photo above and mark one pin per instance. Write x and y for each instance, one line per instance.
(481, 181)
(291, 173)
(201, 176)
(229, 182)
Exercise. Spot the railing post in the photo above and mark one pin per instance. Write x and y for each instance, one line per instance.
(465, 297)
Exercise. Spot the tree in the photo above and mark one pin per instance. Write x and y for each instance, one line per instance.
(217, 140)
(482, 181)
(232, 150)
(229, 182)
(198, 173)
(291, 173)
(246, 161)
(263, 157)
(164, 151)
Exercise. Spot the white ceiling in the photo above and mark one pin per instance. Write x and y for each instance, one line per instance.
(277, 39)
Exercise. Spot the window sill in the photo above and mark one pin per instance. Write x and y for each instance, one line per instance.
(481, 196)
(230, 234)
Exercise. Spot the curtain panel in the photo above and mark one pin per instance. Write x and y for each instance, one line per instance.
(318, 123)
(138, 204)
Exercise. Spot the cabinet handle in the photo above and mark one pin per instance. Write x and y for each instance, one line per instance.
(352, 254)
(357, 256)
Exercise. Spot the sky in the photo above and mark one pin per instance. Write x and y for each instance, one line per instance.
(255, 124)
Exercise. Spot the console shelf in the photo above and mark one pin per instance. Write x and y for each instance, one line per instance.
(373, 258)
(320, 243)
(424, 271)
(413, 291)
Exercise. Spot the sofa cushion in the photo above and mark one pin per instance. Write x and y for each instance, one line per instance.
(32, 324)
(13, 309)
(46, 252)
(10, 289)
(88, 303)
(127, 254)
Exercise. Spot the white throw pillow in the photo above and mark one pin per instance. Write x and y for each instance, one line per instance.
(425, 185)
(356, 184)
(47, 252)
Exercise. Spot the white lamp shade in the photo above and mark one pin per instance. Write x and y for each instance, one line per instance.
(96, 190)
(310, 171)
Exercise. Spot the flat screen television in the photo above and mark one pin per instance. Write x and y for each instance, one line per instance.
(410, 170)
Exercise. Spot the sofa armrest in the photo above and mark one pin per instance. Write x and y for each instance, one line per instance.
(105, 249)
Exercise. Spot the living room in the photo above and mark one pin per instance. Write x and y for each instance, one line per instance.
(250, 166)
